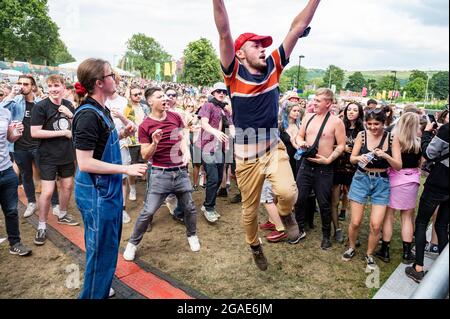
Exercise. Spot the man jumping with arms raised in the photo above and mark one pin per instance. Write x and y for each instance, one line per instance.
(252, 79)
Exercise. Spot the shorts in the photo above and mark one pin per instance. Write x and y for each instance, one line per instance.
(126, 158)
(50, 172)
(267, 193)
(364, 186)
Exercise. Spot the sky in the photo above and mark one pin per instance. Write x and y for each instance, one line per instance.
(355, 35)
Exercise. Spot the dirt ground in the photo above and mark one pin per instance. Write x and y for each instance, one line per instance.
(224, 267)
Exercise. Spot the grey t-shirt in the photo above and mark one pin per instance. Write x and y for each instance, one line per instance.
(5, 120)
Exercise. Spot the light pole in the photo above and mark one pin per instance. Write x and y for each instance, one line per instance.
(426, 90)
(395, 82)
(329, 82)
(298, 72)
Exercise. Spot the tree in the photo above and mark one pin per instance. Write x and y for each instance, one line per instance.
(27, 31)
(418, 74)
(356, 82)
(201, 66)
(371, 85)
(60, 54)
(336, 78)
(416, 88)
(386, 83)
(439, 85)
(145, 52)
(288, 79)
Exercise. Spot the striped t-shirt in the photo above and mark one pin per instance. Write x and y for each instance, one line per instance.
(254, 99)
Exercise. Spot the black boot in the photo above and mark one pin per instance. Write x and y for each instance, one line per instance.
(383, 253)
(408, 256)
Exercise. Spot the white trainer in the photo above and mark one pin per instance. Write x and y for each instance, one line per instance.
(194, 243)
(125, 217)
(130, 252)
(56, 211)
(31, 208)
(132, 195)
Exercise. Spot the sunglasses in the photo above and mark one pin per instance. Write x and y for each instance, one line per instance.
(172, 95)
(374, 111)
(221, 91)
(24, 84)
(137, 94)
(2, 95)
(112, 75)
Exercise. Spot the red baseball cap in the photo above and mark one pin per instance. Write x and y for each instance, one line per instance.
(244, 37)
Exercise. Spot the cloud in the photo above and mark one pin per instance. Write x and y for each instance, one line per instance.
(353, 34)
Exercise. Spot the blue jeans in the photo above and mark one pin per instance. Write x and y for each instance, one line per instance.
(24, 160)
(160, 185)
(8, 202)
(213, 165)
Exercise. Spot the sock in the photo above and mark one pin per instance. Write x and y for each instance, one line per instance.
(42, 225)
(133, 188)
(385, 245)
(406, 247)
(63, 213)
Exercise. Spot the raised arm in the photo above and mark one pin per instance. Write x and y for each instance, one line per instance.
(300, 23)
(223, 27)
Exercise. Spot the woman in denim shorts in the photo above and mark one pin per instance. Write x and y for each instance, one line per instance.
(375, 150)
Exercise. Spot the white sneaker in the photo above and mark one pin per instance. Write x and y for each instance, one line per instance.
(132, 195)
(56, 211)
(194, 243)
(31, 208)
(125, 217)
(130, 252)
(112, 293)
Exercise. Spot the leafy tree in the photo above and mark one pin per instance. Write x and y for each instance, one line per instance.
(386, 83)
(289, 77)
(439, 85)
(201, 66)
(145, 52)
(418, 74)
(27, 32)
(336, 78)
(371, 85)
(416, 88)
(356, 82)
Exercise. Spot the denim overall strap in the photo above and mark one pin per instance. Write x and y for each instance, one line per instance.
(100, 201)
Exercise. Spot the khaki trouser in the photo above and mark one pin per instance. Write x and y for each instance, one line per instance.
(274, 166)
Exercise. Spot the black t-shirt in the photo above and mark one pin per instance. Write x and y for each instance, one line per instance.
(57, 150)
(26, 142)
(90, 132)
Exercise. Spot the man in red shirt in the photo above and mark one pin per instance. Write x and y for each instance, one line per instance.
(162, 142)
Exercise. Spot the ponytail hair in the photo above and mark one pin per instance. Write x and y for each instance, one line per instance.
(89, 71)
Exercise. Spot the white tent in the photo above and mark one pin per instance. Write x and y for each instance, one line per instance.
(11, 72)
(69, 66)
(123, 72)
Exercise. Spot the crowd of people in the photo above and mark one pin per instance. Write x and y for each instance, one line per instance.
(96, 137)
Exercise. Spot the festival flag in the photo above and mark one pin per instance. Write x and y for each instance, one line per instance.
(158, 71)
(383, 95)
(167, 71)
(379, 96)
(364, 92)
(174, 67)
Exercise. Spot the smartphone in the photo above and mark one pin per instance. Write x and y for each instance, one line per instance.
(432, 118)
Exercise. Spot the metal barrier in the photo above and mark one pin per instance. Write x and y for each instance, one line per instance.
(435, 284)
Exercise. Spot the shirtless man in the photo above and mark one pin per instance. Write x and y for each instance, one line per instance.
(317, 172)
